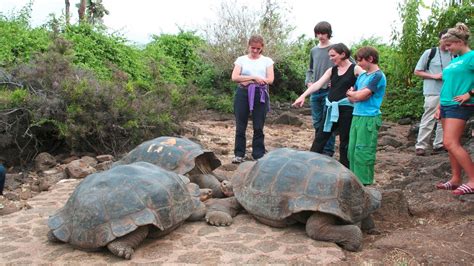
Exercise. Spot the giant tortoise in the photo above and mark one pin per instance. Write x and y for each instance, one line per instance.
(288, 186)
(120, 207)
(181, 156)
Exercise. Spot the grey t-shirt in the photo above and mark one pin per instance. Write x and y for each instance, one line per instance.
(440, 60)
(318, 64)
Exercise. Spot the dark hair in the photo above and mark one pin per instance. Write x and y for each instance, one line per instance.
(323, 27)
(366, 52)
(341, 48)
(441, 33)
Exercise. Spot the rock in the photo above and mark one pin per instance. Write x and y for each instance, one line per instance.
(69, 159)
(25, 192)
(44, 161)
(89, 160)
(50, 177)
(405, 121)
(413, 132)
(288, 118)
(103, 166)
(389, 141)
(104, 158)
(394, 205)
(79, 169)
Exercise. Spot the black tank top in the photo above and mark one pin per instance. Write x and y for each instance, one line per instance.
(340, 84)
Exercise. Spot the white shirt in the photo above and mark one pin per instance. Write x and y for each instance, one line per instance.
(254, 67)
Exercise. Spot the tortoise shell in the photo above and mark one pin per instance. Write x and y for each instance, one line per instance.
(111, 204)
(286, 181)
(179, 155)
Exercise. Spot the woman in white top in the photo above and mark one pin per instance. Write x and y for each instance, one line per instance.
(254, 73)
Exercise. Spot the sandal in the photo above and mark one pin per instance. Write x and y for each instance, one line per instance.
(463, 189)
(446, 186)
(238, 159)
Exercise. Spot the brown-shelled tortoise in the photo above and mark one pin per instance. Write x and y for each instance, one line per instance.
(120, 207)
(181, 156)
(288, 186)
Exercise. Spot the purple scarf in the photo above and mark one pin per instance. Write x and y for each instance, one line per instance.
(251, 93)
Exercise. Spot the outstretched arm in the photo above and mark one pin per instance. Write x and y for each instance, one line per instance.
(313, 88)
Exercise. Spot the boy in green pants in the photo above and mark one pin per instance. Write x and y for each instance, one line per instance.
(367, 94)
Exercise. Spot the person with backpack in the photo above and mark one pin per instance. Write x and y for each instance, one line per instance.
(430, 67)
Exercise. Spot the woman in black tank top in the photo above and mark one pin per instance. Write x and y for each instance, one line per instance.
(342, 77)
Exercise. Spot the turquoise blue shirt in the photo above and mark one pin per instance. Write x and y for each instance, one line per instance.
(458, 78)
(375, 82)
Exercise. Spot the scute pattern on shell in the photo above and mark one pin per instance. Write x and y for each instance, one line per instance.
(286, 181)
(174, 154)
(114, 203)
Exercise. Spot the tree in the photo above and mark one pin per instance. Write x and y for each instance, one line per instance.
(67, 11)
(82, 10)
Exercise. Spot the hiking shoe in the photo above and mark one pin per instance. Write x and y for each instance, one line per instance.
(441, 149)
(420, 152)
(238, 159)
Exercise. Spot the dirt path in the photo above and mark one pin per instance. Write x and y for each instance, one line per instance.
(417, 224)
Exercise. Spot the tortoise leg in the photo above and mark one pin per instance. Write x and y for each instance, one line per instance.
(322, 226)
(272, 223)
(52, 238)
(208, 181)
(125, 246)
(220, 211)
(199, 212)
(368, 226)
(155, 232)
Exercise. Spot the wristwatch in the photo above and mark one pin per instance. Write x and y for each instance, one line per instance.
(471, 93)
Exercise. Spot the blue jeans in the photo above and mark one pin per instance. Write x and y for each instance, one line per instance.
(242, 112)
(463, 112)
(2, 178)
(318, 102)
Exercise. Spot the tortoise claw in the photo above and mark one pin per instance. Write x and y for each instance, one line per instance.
(218, 218)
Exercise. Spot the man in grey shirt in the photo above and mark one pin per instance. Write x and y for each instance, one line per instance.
(430, 68)
(319, 62)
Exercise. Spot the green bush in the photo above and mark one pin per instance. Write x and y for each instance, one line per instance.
(18, 41)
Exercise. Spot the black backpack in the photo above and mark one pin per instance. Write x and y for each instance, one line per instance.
(432, 54)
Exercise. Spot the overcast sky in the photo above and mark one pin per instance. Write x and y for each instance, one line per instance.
(351, 20)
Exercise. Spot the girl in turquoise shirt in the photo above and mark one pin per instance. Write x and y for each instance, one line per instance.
(456, 107)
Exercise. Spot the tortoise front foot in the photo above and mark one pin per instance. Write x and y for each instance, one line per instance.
(218, 218)
(125, 246)
(121, 249)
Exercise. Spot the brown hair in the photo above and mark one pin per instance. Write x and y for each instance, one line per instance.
(257, 39)
(323, 27)
(366, 52)
(459, 33)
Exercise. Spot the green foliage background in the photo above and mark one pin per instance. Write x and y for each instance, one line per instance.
(80, 88)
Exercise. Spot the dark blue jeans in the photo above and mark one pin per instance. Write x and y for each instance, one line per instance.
(318, 103)
(242, 112)
(2, 178)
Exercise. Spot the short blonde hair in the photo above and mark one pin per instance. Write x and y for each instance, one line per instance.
(459, 33)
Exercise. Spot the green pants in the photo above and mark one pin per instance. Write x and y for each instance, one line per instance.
(363, 146)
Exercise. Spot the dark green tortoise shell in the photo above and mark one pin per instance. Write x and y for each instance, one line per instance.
(113, 203)
(287, 181)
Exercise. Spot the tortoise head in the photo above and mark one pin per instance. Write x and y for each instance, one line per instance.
(227, 188)
(374, 201)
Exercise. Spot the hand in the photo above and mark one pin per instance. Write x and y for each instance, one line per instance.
(462, 98)
(245, 83)
(437, 114)
(299, 102)
(260, 81)
(438, 76)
